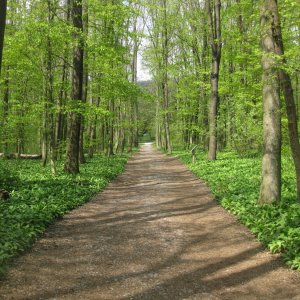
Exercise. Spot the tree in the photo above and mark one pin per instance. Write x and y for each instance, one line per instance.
(270, 190)
(165, 85)
(160, 32)
(287, 89)
(72, 157)
(214, 20)
(39, 97)
(3, 8)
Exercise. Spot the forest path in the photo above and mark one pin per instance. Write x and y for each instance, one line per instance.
(154, 233)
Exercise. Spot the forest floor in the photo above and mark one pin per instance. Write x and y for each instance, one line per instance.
(154, 233)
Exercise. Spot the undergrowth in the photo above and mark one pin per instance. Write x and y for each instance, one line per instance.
(235, 182)
(37, 198)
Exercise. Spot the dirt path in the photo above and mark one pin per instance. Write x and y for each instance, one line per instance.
(154, 233)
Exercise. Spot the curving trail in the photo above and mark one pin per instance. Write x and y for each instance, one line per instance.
(154, 233)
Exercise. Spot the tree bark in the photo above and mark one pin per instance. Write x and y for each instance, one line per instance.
(3, 8)
(60, 134)
(288, 93)
(158, 138)
(134, 81)
(214, 20)
(110, 147)
(6, 110)
(165, 85)
(270, 190)
(60, 118)
(85, 84)
(45, 136)
(72, 157)
(50, 127)
(133, 109)
(286, 86)
(92, 132)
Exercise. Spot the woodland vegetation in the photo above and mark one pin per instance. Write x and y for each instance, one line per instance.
(225, 77)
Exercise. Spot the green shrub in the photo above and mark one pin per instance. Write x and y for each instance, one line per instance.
(8, 177)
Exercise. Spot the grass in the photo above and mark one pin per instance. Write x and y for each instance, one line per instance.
(235, 182)
(37, 198)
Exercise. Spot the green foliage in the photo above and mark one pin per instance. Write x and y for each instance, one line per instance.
(8, 178)
(235, 183)
(31, 60)
(39, 198)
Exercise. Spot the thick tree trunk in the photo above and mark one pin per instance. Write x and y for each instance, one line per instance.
(72, 157)
(3, 7)
(213, 110)
(270, 190)
(214, 19)
(286, 86)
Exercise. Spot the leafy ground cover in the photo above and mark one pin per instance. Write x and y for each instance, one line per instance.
(37, 198)
(235, 182)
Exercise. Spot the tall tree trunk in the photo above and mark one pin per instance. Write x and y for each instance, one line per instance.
(72, 157)
(61, 118)
(200, 62)
(134, 81)
(21, 126)
(133, 139)
(131, 129)
(50, 98)
(286, 86)
(120, 145)
(6, 110)
(103, 136)
(82, 127)
(158, 120)
(165, 85)
(136, 122)
(214, 20)
(270, 190)
(110, 148)
(85, 84)
(92, 133)
(3, 7)
(45, 135)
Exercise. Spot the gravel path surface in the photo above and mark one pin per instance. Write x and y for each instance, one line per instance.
(154, 233)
